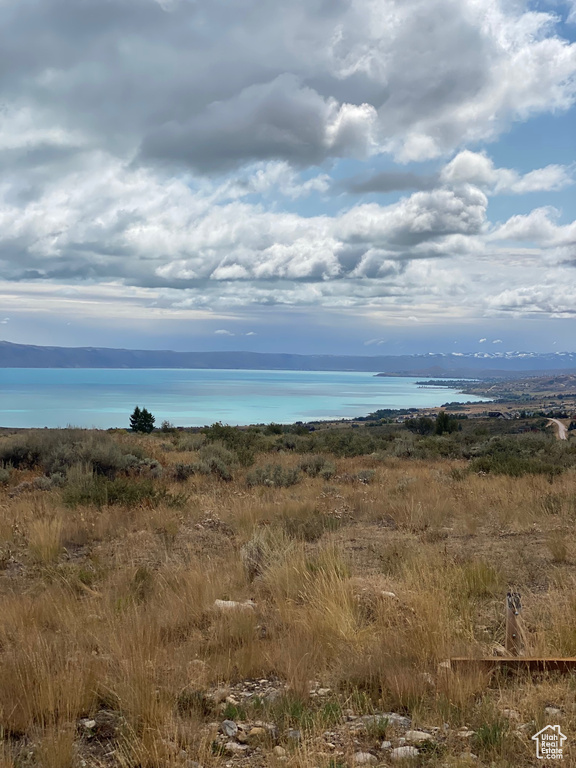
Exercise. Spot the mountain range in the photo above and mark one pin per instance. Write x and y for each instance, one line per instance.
(459, 364)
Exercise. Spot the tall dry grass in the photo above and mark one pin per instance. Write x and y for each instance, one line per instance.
(366, 583)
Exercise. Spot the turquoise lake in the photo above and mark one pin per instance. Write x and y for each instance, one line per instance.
(57, 397)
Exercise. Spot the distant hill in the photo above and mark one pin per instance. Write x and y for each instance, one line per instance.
(455, 365)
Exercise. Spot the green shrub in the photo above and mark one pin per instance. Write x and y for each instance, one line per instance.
(365, 476)
(216, 459)
(4, 476)
(86, 488)
(316, 464)
(190, 441)
(244, 443)
(306, 523)
(182, 472)
(421, 426)
(273, 475)
(55, 451)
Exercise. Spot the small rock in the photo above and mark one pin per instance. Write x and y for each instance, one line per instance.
(395, 719)
(553, 711)
(364, 758)
(234, 605)
(526, 727)
(469, 756)
(87, 724)
(386, 745)
(391, 595)
(323, 691)
(427, 678)
(403, 753)
(279, 752)
(511, 714)
(219, 695)
(465, 734)
(229, 728)
(235, 749)
(294, 734)
(416, 736)
(257, 734)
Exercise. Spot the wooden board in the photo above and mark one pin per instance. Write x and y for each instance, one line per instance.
(517, 663)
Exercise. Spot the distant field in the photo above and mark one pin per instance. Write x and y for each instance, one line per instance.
(350, 563)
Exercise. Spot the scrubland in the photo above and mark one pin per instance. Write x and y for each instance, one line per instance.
(360, 560)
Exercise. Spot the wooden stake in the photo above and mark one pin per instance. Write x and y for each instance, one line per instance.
(514, 636)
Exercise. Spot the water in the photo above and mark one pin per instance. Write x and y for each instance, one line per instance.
(57, 397)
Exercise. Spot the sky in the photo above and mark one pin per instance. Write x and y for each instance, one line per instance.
(320, 176)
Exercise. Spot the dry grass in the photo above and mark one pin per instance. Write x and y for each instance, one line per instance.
(364, 586)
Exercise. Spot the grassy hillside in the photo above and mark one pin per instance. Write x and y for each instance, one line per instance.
(358, 560)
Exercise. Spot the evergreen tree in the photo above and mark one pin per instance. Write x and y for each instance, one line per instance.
(446, 424)
(142, 420)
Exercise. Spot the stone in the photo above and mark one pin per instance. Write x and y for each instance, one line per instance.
(403, 753)
(553, 711)
(87, 724)
(395, 719)
(257, 734)
(219, 695)
(364, 758)
(294, 734)
(229, 728)
(386, 745)
(279, 752)
(235, 749)
(417, 736)
(465, 734)
(511, 714)
(233, 605)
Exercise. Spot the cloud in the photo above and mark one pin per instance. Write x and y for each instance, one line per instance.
(223, 332)
(497, 341)
(127, 224)
(206, 86)
(478, 169)
(538, 226)
(547, 299)
(279, 119)
(390, 181)
(481, 341)
(180, 157)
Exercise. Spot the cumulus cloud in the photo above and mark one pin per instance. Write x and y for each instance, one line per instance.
(180, 154)
(553, 300)
(477, 168)
(209, 86)
(538, 226)
(279, 119)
